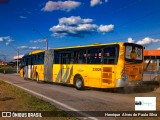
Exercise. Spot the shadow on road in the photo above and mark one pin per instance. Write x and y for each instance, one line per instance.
(148, 86)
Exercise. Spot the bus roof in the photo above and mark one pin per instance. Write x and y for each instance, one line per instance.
(80, 46)
(90, 45)
(35, 52)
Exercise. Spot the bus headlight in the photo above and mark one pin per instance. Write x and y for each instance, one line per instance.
(124, 77)
(121, 82)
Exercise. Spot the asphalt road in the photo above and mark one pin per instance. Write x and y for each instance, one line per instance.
(70, 99)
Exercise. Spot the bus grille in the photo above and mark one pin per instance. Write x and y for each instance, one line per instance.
(107, 75)
(133, 72)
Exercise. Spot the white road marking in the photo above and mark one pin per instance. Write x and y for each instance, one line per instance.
(53, 100)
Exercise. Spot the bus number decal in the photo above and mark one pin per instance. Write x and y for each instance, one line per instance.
(96, 69)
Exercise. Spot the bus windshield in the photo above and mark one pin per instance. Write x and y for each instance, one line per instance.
(133, 53)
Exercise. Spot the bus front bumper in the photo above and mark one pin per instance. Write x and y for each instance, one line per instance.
(126, 83)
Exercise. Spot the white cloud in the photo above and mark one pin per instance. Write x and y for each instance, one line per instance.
(73, 20)
(6, 39)
(33, 48)
(97, 2)
(130, 40)
(59, 35)
(62, 28)
(86, 27)
(38, 41)
(87, 20)
(9, 41)
(27, 47)
(23, 47)
(106, 28)
(158, 48)
(78, 27)
(64, 6)
(147, 41)
(22, 17)
(106, 1)
(1, 39)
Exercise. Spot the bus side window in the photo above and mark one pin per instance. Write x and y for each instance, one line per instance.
(99, 56)
(24, 61)
(27, 61)
(79, 56)
(38, 58)
(68, 58)
(33, 59)
(82, 56)
(56, 57)
(109, 55)
(94, 56)
(41, 59)
(75, 58)
(65, 58)
(72, 58)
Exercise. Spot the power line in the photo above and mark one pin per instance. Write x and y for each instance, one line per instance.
(42, 36)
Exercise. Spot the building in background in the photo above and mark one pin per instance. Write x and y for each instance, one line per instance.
(152, 60)
(19, 57)
(3, 62)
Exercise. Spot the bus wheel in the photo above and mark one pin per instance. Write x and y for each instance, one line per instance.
(79, 83)
(37, 78)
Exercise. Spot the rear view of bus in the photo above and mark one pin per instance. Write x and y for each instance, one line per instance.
(131, 65)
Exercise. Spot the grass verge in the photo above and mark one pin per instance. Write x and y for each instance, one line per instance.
(15, 99)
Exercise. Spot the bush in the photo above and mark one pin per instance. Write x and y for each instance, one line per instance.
(7, 69)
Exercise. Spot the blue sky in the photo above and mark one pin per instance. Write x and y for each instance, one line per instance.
(24, 24)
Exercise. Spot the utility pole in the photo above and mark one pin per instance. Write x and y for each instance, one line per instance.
(42, 37)
(17, 50)
(17, 59)
(4, 57)
(46, 43)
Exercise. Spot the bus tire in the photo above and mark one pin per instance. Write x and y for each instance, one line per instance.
(37, 78)
(79, 83)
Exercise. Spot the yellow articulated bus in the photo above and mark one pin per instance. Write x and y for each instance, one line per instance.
(110, 65)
